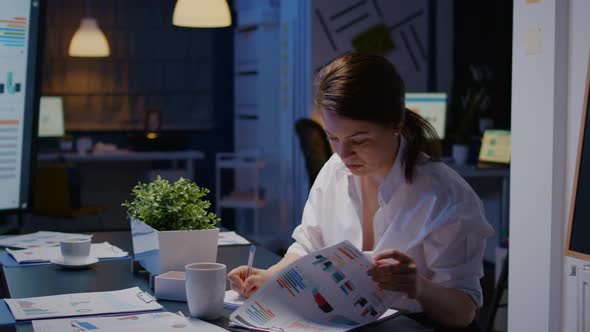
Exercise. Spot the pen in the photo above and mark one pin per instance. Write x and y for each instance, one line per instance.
(250, 260)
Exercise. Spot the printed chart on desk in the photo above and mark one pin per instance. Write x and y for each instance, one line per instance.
(82, 304)
(159, 321)
(328, 290)
(14, 25)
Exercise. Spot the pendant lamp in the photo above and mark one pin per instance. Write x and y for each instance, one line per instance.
(89, 40)
(201, 14)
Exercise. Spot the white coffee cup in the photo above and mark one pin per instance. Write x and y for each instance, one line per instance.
(75, 250)
(205, 289)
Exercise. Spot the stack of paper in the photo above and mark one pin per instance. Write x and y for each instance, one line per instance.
(82, 304)
(233, 300)
(39, 239)
(37, 255)
(231, 238)
(159, 321)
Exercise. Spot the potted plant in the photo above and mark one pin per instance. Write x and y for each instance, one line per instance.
(463, 132)
(473, 112)
(482, 76)
(171, 225)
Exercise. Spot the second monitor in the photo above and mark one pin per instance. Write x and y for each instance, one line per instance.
(432, 107)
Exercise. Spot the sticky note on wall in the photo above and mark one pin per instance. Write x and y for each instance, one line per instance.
(533, 41)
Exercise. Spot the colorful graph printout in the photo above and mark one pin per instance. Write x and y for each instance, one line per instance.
(328, 290)
(292, 282)
(82, 304)
(38, 239)
(159, 321)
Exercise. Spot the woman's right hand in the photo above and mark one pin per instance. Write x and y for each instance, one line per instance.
(246, 286)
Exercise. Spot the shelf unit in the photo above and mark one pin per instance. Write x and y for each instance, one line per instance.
(256, 118)
(246, 196)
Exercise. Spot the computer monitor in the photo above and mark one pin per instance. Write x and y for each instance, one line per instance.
(20, 38)
(51, 117)
(432, 106)
(496, 147)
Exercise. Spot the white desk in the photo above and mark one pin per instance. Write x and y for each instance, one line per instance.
(190, 156)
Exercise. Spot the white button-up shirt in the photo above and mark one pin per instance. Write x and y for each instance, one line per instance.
(437, 219)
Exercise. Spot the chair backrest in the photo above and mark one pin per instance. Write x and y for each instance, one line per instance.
(314, 145)
(56, 189)
(489, 317)
(4, 290)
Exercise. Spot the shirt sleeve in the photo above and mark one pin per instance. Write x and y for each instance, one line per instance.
(454, 251)
(308, 235)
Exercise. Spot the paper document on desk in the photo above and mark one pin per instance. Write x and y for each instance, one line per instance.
(233, 300)
(231, 238)
(328, 290)
(82, 304)
(38, 239)
(38, 255)
(158, 321)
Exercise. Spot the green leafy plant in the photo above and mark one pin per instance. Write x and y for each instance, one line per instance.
(165, 206)
(473, 104)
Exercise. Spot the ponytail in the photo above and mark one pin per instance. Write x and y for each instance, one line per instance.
(420, 137)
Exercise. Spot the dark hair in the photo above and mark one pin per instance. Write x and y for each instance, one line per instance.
(368, 88)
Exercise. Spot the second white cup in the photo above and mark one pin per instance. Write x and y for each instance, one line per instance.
(75, 250)
(205, 289)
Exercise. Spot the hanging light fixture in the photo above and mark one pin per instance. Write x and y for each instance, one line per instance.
(201, 14)
(89, 40)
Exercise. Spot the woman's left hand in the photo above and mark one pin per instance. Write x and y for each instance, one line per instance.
(400, 276)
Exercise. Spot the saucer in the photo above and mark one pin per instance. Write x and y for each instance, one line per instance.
(89, 261)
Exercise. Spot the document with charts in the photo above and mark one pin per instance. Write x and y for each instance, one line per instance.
(35, 255)
(328, 290)
(156, 322)
(82, 304)
(38, 240)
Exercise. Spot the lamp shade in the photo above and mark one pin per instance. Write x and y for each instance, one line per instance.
(89, 40)
(201, 14)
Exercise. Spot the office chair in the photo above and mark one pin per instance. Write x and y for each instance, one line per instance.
(57, 192)
(487, 324)
(4, 290)
(314, 145)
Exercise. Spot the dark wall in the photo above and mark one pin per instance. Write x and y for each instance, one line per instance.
(152, 65)
(483, 36)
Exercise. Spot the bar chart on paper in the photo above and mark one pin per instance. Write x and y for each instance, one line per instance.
(259, 314)
(13, 29)
(292, 282)
(9, 84)
(9, 157)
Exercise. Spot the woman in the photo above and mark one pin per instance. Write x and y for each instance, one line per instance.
(384, 192)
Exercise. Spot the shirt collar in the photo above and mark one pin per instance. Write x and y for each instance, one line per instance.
(395, 176)
(392, 180)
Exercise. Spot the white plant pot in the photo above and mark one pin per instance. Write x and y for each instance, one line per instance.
(460, 153)
(160, 252)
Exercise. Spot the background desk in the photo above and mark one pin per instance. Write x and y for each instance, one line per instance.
(125, 156)
(106, 180)
(112, 275)
(493, 187)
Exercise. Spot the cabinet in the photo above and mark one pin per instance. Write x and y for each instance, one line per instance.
(256, 121)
